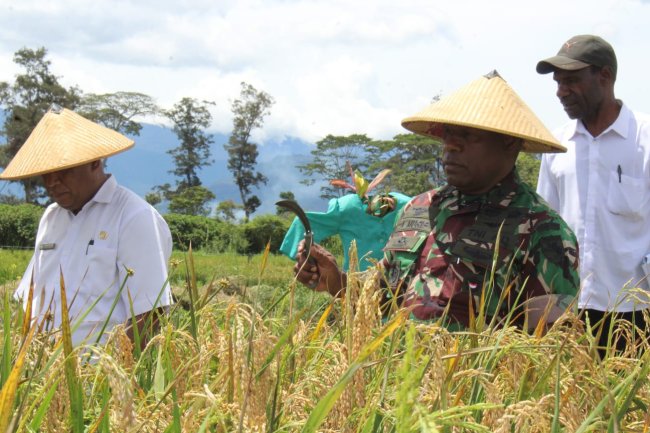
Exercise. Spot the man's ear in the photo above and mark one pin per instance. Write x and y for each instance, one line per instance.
(513, 144)
(98, 164)
(607, 74)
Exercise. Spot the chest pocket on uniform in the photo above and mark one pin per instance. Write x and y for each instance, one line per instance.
(405, 249)
(475, 246)
(626, 197)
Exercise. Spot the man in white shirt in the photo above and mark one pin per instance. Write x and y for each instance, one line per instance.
(111, 246)
(601, 185)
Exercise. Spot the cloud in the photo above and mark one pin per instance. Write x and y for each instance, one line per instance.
(333, 66)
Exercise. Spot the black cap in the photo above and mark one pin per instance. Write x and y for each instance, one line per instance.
(580, 52)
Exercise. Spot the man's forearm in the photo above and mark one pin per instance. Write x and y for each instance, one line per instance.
(147, 324)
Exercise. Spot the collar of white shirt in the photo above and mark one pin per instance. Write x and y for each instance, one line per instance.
(105, 193)
(621, 125)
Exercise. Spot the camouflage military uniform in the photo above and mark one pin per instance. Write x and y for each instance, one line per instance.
(442, 249)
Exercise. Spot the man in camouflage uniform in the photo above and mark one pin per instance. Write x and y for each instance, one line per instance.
(486, 233)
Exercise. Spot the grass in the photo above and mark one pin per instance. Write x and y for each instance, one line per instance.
(270, 356)
(12, 264)
(236, 272)
(244, 269)
(207, 266)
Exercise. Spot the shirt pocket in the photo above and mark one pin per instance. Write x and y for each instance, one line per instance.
(626, 195)
(102, 271)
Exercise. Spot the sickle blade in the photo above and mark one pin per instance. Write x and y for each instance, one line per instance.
(296, 209)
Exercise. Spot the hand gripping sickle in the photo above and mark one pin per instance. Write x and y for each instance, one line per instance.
(309, 235)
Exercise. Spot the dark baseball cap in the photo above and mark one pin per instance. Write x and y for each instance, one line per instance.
(580, 52)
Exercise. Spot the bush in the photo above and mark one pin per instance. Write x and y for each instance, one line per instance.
(190, 229)
(216, 236)
(334, 245)
(262, 229)
(18, 225)
(228, 239)
(208, 234)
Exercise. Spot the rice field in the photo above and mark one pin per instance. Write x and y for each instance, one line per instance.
(248, 350)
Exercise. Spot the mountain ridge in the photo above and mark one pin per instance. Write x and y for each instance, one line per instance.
(148, 164)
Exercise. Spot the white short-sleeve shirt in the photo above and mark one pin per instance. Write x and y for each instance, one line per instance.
(601, 187)
(114, 251)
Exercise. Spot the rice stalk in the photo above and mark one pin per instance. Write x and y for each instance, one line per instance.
(10, 385)
(327, 402)
(70, 362)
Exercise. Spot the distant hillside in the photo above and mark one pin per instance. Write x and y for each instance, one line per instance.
(148, 164)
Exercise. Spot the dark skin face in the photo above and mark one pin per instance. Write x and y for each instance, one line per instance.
(476, 160)
(581, 92)
(73, 187)
(588, 95)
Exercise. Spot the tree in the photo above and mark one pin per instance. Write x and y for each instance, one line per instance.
(249, 112)
(25, 102)
(226, 210)
(154, 198)
(117, 110)
(190, 118)
(186, 201)
(329, 161)
(9, 199)
(284, 195)
(414, 160)
(191, 201)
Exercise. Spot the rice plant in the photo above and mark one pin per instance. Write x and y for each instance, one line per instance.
(276, 357)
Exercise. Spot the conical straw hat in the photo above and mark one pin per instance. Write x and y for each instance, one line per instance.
(488, 103)
(63, 139)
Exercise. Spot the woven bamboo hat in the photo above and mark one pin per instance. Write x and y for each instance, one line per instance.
(487, 103)
(63, 139)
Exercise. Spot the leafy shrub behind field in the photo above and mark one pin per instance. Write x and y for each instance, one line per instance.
(199, 231)
(18, 224)
(218, 236)
(263, 229)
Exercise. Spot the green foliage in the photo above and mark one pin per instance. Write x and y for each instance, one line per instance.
(191, 201)
(329, 162)
(12, 265)
(414, 161)
(528, 167)
(198, 231)
(249, 112)
(230, 239)
(117, 110)
(18, 224)
(226, 209)
(25, 101)
(10, 199)
(190, 118)
(240, 270)
(153, 198)
(208, 234)
(263, 229)
(281, 211)
(333, 244)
